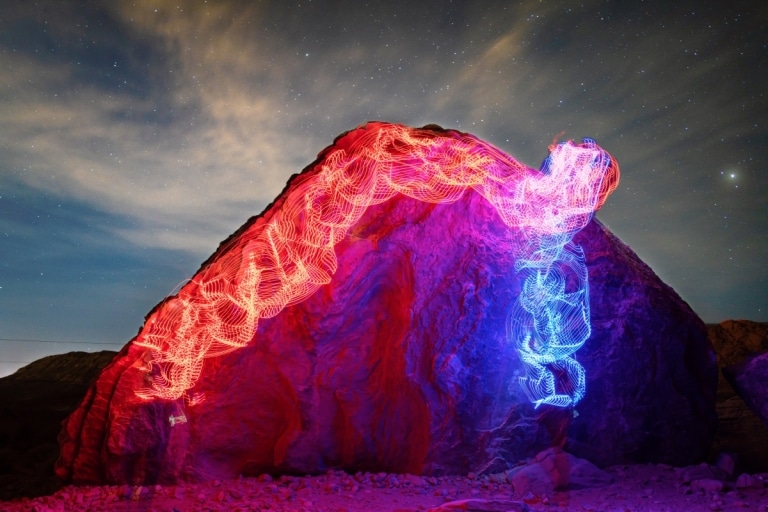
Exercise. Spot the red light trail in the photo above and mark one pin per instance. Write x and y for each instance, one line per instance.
(275, 264)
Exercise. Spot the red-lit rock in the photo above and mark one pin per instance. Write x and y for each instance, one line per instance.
(401, 364)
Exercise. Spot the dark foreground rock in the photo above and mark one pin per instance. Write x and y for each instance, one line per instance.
(401, 364)
(555, 470)
(750, 380)
(741, 431)
(33, 403)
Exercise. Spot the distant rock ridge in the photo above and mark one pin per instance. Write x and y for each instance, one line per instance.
(750, 379)
(401, 364)
(736, 340)
(72, 367)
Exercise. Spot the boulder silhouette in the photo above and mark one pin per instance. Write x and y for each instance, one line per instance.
(402, 363)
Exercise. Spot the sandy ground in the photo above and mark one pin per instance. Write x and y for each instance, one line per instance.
(638, 488)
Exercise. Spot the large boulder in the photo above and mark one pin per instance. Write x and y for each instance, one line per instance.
(402, 364)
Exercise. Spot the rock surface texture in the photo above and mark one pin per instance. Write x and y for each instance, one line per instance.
(736, 340)
(401, 364)
(740, 346)
(750, 379)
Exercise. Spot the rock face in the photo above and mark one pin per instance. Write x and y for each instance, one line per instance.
(401, 364)
(750, 379)
(739, 345)
(736, 340)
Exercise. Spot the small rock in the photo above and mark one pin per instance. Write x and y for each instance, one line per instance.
(415, 480)
(556, 470)
(702, 471)
(727, 463)
(480, 505)
(137, 493)
(746, 481)
(708, 485)
(498, 478)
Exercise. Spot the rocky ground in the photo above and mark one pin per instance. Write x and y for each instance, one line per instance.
(649, 488)
(35, 400)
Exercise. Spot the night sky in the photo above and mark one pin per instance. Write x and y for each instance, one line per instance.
(135, 136)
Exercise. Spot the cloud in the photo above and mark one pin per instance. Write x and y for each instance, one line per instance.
(177, 122)
(193, 161)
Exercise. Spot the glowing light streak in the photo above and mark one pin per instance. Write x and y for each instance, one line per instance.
(281, 262)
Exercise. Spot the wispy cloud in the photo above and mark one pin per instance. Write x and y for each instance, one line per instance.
(148, 132)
